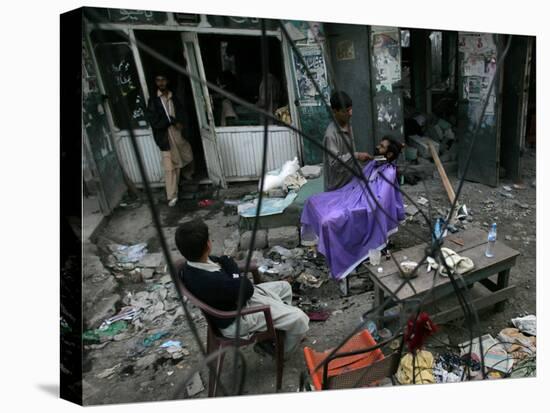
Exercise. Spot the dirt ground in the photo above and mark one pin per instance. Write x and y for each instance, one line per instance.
(514, 212)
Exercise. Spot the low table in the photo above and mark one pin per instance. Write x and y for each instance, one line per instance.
(474, 241)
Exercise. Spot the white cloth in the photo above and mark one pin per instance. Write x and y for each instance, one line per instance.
(456, 263)
(278, 296)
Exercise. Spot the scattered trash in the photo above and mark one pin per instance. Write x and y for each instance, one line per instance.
(494, 375)
(128, 254)
(495, 355)
(318, 315)
(277, 193)
(147, 360)
(174, 349)
(422, 201)
(506, 194)
(309, 280)
(195, 385)
(126, 313)
(152, 260)
(519, 186)
(527, 324)
(457, 264)
(423, 368)
(294, 182)
(154, 311)
(150, 340)
(171, 343)
(410, 210)
(108, 372)
(384, 334)
(206, 203)
(448, 368)
(270, 206)
(283, 252)
(165, 279)
(507, 188)
(515, 342)
(275, 179)
(372, 329)
(525, 368)
(107, 332)
(232, 202)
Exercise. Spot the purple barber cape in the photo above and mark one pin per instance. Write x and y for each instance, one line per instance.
(348, 222)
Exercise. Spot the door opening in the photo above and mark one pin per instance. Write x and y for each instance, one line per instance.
(169, 44)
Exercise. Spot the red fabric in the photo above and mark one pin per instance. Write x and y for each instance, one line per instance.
(418, 330)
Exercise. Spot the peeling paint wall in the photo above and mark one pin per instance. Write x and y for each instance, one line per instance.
(385, 47)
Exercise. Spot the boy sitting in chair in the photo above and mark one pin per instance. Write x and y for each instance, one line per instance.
(216, 282)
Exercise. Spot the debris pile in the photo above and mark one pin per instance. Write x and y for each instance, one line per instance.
(148, 319)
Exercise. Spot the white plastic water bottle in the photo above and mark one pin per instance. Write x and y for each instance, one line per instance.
(491, 240)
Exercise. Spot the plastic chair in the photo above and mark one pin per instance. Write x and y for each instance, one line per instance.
(359, 363)
(215, 340)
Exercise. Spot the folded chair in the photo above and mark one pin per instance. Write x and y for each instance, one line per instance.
(359, 363)
(216, 341)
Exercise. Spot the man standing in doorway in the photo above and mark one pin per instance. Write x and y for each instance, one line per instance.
(166, 116)
(339, 141)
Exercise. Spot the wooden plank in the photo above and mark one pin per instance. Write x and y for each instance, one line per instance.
(484, 267)
(446, 184)
(478, 304)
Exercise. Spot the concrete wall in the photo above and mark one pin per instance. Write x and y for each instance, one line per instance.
(352, 75)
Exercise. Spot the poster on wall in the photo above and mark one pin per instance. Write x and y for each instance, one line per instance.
(479, 53)
(345, 50)
(386, 58)
(315, 61)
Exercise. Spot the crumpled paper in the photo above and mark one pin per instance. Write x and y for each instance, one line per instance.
(527, 324)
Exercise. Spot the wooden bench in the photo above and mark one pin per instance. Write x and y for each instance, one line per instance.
(388, 281)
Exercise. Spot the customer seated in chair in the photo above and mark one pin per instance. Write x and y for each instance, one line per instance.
(216, 282)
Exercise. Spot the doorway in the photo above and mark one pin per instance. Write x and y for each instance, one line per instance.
(169, 44)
